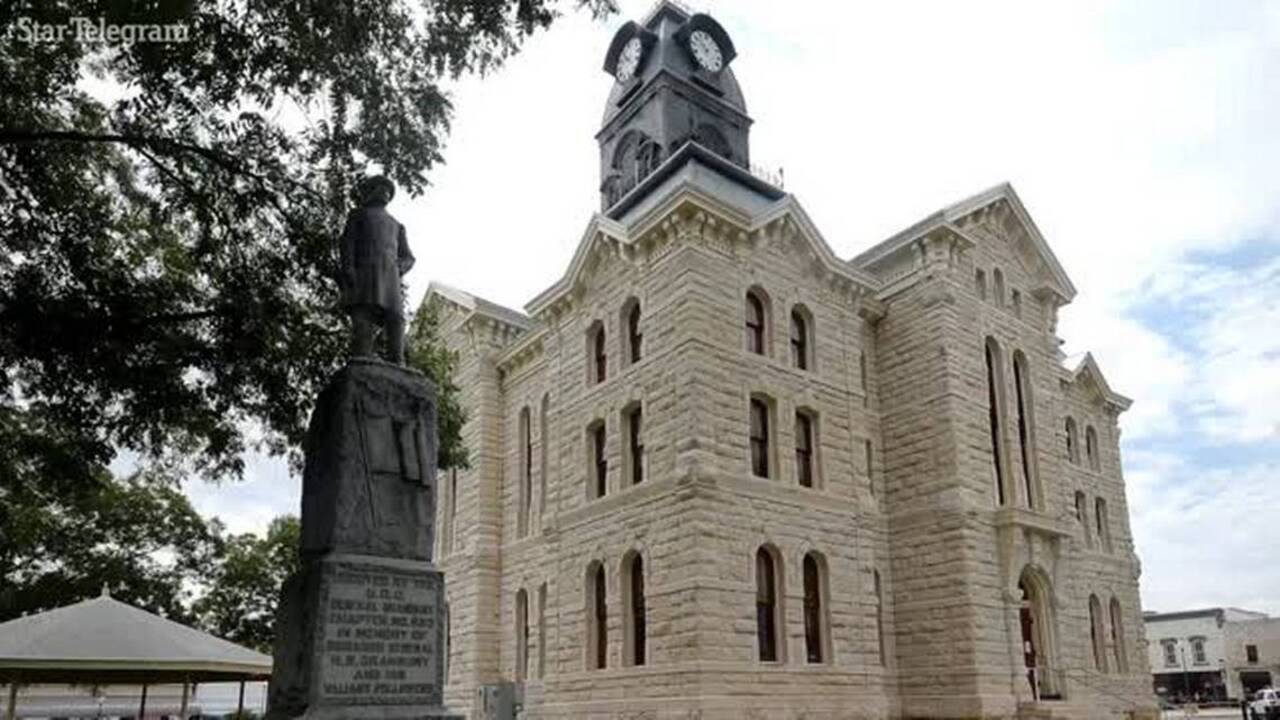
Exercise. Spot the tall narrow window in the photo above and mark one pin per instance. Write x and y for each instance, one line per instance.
(635, 339)
(635, 446)
(804, 449)
(1082, 517)
(814, 613)
(526, 472)
(799, 339)
(1117, 637)
(448, 643)
(1022, 389)
(1251, 654)
(599, 354)
(862, 377)
(755, 323)
(1073, 441)
(544, 437)
(599, 461)
(980, 284)
(1104, 526)
(994, 416)
(766, 605)
(598, 617)
(997, 287)
(522, 635)
(1091, 447)
(879, 614)
(1096, 634)
(453, 508)
(542, 630)
(759, 438)
(637, 636)
(1015, 298)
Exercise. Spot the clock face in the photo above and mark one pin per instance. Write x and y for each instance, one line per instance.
(629, 60)
(706, 51)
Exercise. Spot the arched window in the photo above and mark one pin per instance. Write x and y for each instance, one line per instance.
(980, 284)
(862, 378)
(868, 458)
(633, 425)
(875, 577)
(815, 608)
(806, 463)
(542, 630)
(995, 415)
(1091, 447)
(599, 354)
(1015, 298)
(597, 619)
(1026, 442)
(757, 322)
(1117, 638)
(544, 437)
(1097, 633)
(1104, 525)
(1198, 656)
(768, 617)
(448, 643)
(526, 472)
(800, 331)
(452, 534)
(599, 461)
(997, 287)
(1073, 441)
(760, 437)
(633, 337)
(1082, 517)
(522, 635)
(636, 637)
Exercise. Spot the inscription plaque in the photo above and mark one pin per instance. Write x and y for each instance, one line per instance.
(381, 636)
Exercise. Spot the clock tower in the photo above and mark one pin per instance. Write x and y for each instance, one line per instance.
(673, 87)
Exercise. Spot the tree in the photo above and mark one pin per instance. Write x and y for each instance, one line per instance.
(166, 256)
(66, 535)
(240, 604)
(426, 352)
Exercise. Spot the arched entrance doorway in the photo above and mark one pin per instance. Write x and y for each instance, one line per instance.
(1036, 621)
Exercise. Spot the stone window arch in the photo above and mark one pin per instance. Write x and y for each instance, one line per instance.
(802, 337)
(806, 439)
(757, 321)
(769, 614)
(1082, 517)
(632, 337)
(817, 622)
(1024, 395)
(634, 625)
(980, 283)
(995, 417)
(1091, 448)
(598, 352)
(1103, 524)
(761, 435)
(597, 461)
(526, 472)
(1117, 637)
(1073, 441)
(597, 614)
(997, 287)
(1097, 633)
(633, 434)
(522, 635)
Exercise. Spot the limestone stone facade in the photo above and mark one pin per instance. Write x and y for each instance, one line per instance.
(806, 505)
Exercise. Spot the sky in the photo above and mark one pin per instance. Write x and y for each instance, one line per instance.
(1143, 137)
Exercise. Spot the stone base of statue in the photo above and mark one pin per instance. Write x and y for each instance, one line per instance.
(360, 628)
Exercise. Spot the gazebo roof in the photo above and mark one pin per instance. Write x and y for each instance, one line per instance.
(103, 640)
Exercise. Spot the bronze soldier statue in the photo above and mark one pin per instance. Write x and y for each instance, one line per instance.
(374, 253)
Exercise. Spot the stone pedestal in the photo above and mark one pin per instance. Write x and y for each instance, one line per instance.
(360, 628)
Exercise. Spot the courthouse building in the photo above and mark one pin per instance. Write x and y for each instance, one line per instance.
(719, 471)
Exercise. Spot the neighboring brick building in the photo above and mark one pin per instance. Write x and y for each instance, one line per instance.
(1212, 654)
(719, 472)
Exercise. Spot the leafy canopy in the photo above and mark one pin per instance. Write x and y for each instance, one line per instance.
(166, 241)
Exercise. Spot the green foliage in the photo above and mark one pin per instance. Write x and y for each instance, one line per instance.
(64, 535)
(241, 603)
(166, 256)
(426, 352)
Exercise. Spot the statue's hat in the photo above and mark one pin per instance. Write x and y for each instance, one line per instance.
(366, 186)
